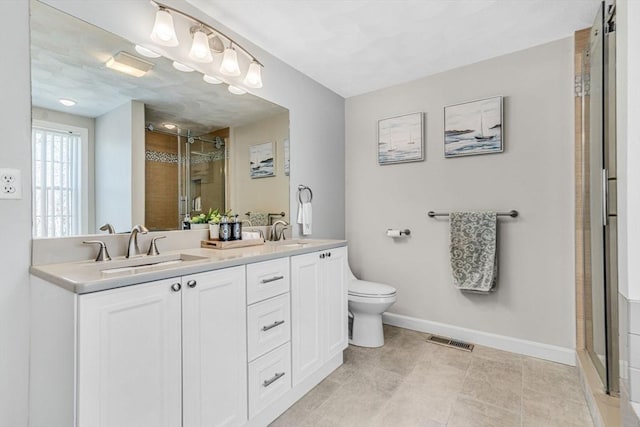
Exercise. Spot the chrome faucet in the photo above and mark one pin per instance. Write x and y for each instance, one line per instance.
(109, 228)
(274, 236)
(132, 247)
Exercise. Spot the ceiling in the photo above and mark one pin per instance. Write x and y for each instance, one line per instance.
(357, 46)
(68, 57)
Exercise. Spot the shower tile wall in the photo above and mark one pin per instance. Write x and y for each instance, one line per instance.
(161, 181)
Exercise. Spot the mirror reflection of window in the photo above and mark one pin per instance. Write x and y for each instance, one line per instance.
(59, 192)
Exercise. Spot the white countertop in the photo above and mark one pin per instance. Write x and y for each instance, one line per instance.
(83, 277)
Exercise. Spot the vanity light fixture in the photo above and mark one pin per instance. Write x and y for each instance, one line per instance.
(67, 102)
(129, 64)
(163, 31)
(211, 79)
(254, 77)
(236, 90)
(200, 50)
(146, 52)
(181, 67)
(230, 66)
(206, 41)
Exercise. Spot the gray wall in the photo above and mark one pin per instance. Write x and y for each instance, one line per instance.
(535, 296)
(15, 217)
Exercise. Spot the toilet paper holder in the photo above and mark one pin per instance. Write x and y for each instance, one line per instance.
(398, 233)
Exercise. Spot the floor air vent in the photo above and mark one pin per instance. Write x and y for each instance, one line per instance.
(448, 342)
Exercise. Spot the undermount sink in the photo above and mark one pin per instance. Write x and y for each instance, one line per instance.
(295, 243)
(147, 263)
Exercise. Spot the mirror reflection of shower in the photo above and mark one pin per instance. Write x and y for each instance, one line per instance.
(188, 168)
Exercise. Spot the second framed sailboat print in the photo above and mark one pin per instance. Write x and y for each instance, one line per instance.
(474, 128)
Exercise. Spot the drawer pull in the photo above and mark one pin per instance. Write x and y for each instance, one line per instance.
(276, 377)
(273, 325)
(273, 279)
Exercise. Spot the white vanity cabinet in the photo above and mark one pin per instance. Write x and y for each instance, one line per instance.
(129, 357)
(161, 354)
(227, 347)
(268, 332)
(319, 322)
(214, 349)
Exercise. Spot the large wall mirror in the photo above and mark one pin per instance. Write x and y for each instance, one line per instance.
(112, 148)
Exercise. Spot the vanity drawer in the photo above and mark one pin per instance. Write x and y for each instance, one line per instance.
(268, 325)
(269, 378)
(267, 279)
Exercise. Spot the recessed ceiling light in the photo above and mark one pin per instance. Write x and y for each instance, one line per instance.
(147, 52)
(181, 67)
(67, 102)
(236, 90)
(169, 126)
(212, 80)
(129, 64)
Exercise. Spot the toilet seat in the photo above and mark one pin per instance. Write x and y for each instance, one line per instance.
(364, 289)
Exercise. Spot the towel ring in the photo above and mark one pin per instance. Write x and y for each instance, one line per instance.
(301, 189)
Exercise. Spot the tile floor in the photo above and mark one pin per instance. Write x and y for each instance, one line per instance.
(410, 382)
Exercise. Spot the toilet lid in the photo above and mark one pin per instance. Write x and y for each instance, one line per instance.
(363, 288)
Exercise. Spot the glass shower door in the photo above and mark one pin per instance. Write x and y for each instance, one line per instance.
(600, 278)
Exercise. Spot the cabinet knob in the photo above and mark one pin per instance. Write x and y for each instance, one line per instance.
(328, 254)
(176, 287)
(321, 256)
(192, 283)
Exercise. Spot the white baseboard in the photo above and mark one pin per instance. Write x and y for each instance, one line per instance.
(553, 353)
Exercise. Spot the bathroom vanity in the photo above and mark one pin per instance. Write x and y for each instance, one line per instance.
(195, 337)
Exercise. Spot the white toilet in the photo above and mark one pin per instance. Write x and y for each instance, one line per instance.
(367, 302)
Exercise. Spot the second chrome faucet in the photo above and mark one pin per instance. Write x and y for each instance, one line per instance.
(132, 248)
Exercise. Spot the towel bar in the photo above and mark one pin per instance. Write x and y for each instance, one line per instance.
(511, 213)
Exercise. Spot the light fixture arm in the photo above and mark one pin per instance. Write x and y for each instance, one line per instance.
(208, 27)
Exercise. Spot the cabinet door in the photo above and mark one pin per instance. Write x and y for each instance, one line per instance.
(214, 348)
(335, 311)
(129, 361)
(306, 327)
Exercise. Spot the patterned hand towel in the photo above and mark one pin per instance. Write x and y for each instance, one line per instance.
(472, 249)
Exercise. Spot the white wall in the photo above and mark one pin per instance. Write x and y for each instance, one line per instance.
(119, 166)
(15, 217)
(87, 123)
(269, 194)
(628, 156)
(535, 296)
(316, 113)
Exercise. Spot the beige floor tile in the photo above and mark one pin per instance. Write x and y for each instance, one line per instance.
(495, 383)
(470, 413)
(358, 400)
(410, 382)
(550, 409)
(498, 355)
(553, 378)
(414, 404)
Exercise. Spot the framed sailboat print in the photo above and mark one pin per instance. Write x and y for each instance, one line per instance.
(401, 139)
(474, 127)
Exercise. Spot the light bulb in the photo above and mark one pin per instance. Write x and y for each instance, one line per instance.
(211, 80)
(146, 52)
(253, 78)
(236, 90)
(163, 31)
(200, 48)
(181, 67)
(229, 66)
(67, 102)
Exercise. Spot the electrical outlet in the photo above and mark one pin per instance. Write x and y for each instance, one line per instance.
(10, 184)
